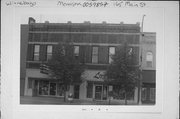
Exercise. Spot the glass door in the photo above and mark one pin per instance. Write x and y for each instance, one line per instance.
(98, 92)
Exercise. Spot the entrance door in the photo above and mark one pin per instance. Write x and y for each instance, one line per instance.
(35, 89)
(98, 92)
(52, 88)
(76, 91)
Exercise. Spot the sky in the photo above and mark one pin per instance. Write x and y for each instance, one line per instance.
(153, 21)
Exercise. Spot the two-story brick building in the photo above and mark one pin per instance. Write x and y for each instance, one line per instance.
(94, 44)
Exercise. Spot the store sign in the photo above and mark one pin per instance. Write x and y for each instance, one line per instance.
(99, 75)
(94, 75)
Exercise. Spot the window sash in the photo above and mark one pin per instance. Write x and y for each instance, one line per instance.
(149, 63)
(49, 52)
(111, 53)
(95, 55)
(152, 94)
(76, 50)
(144, 94)
(36, 52)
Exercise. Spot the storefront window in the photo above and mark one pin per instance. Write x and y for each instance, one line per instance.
(152, 94)
(144, 94)
(60, 90)
(29, 83)
(89, 90)
(118, 93)
(44, 88)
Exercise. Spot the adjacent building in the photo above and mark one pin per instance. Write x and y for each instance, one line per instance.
(94, 44)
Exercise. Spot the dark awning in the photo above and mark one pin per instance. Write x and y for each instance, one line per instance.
(149, 76)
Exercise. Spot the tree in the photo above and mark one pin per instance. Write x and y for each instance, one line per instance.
(65, 67)
(122, 72)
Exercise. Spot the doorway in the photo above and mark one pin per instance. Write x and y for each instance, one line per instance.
(98, 92)
(76, 91)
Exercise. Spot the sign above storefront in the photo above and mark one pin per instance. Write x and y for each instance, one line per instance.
(99, 75)
(94, 75)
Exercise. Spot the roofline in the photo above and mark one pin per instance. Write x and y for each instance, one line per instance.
(88, 23)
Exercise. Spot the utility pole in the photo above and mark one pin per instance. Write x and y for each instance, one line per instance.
(140, 61)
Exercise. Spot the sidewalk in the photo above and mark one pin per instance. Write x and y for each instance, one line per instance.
(60, 101)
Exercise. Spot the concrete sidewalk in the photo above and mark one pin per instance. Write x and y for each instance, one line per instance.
(60, 101)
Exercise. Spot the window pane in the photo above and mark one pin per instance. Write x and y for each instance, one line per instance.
(152, 94)
(36, 48)
(60, 90)
(111, 50)
(149, 56)
(149, 59)
(29, 83)
(89, 90)
(95, 55)
(76, 50)
(111, 53)
(36, 52)
(149, 64)
(95, 50)
(49, 49)
(44, 88)
(144, 93)
(49, 52)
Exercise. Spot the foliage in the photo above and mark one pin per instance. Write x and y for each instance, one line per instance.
(64, 66)
(121, 72)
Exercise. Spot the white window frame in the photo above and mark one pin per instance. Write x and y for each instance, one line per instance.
(111, 53)
(36, 53)
(49, 54)
(95, 55)
(149, 59)
(76, 50)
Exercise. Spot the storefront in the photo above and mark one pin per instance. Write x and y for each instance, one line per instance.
(92, 87)
(47, 88)
(148, 86)
(97, 89)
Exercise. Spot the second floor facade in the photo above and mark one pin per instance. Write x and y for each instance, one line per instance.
(94, 48)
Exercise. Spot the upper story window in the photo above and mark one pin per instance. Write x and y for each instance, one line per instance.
(76, 51)
(49, 52)
(130, 51)
(94, 54)
(63, 50)
(111, 53)
(36, 52)
(149, 59)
